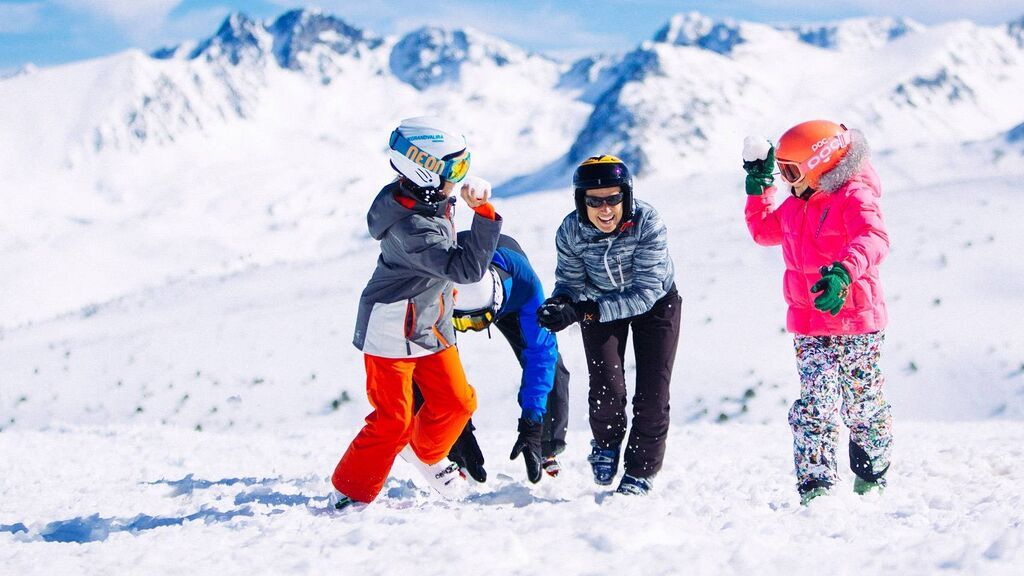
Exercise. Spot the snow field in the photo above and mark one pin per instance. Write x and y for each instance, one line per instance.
(724, 504)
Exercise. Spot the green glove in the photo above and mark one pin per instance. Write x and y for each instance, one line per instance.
(833, 287)
(759, 173)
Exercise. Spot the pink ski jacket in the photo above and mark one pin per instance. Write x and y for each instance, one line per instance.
(841, 222)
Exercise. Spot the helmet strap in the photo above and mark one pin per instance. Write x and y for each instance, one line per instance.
(428, 195)
(806, 195)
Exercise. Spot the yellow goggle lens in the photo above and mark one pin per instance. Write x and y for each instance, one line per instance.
(459, 169)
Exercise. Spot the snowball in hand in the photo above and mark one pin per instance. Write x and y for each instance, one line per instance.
(755, 148)
(477, 187)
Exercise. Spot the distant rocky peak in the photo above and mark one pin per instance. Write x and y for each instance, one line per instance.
(853, 33)
(239, 38)
(431, 55)
(1016, 134)
(23, 70)
(1016, 30)
(695, 29)
(300, 32)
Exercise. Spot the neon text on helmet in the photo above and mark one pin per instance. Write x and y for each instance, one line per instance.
(425, 159)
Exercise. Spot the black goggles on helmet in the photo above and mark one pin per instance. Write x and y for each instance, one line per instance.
(598, 201)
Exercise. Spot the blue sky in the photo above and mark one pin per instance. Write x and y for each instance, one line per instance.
(47, 32)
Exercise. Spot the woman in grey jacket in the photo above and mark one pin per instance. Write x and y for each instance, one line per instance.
(614, 272)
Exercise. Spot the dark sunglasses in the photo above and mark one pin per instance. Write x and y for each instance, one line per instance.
(598, 201)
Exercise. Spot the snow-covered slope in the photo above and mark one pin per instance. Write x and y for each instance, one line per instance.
(171, 501)
(254, 153)
(121, 166)
(855, 33)
(259, 148)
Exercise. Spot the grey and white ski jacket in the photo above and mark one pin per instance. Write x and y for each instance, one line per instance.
(405, 310)
(625, 272)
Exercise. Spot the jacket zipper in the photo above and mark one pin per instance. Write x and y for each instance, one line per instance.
(821, 221)
(410, 325)
(621, 285)
(437, 333)
(803, 225)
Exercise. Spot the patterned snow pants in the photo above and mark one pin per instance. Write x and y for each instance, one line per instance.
(840, 377)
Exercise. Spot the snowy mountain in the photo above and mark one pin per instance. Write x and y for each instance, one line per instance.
(431, 56)
(240, 39)
(855, 34)
(19, 71)
(723, 35)
(702, 82)
(258, 148)
(304, 39)
(658, 105)
(695, 29)
(1016, 31)
(1015, 134)
(183, 241)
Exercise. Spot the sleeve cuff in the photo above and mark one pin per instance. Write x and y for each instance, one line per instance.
(487, 211)
(533, 415)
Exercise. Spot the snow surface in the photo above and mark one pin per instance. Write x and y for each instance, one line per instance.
(183, 243)
(169, 501)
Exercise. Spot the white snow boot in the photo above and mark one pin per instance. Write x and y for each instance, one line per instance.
(444, 477)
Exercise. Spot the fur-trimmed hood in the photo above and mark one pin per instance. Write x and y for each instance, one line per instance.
(849, 166)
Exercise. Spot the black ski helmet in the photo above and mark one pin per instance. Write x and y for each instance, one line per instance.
(602, 172)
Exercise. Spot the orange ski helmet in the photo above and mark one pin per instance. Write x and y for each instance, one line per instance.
(810, 149)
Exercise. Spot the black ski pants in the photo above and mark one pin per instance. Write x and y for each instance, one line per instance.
(655, 337)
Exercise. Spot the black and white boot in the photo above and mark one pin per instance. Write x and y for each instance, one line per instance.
(443, 476)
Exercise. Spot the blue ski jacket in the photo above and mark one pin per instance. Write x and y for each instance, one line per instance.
(524, 293)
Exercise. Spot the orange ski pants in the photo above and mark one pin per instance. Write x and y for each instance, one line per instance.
(449, 401)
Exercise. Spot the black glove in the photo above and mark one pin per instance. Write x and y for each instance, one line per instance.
(588, 312)
(557, 314)
(466, 453)
(528, 444)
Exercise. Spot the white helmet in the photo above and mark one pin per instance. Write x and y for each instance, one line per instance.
(428, 152)
(477, 304)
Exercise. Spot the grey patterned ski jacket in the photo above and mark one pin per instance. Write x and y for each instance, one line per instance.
(625, 272)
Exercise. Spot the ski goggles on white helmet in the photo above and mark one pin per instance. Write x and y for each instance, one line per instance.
(452, 168)
(485, 296)
(473, 320)
(795, 172)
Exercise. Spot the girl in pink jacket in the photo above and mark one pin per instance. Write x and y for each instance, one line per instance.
(833, 239)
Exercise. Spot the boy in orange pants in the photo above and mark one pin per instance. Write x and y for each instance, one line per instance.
(404, 324)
